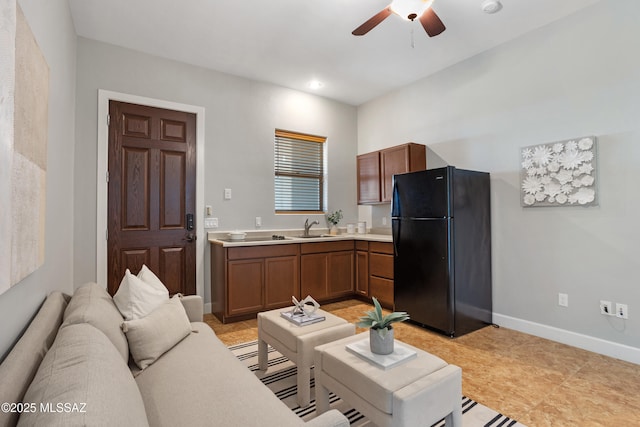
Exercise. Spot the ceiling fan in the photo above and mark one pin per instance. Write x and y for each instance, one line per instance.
(408, 10)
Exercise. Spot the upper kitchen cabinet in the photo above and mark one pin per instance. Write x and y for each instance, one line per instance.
(369, 178)
(376, 170)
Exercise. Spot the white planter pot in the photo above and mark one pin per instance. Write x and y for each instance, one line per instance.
(380, 344)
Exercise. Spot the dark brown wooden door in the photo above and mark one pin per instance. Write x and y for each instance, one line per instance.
(152, 175)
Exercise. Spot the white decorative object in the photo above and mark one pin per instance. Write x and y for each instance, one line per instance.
(559, 173)
(307, 306)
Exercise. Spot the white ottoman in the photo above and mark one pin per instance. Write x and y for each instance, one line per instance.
(418, 392)
(298, 342)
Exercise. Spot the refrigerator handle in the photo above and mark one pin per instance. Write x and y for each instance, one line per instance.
(393, 199)
(395, 229)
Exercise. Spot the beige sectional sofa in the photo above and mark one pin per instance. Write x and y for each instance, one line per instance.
(72, 367)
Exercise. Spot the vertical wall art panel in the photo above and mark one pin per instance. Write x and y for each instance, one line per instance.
(560, 173)
(24, 100)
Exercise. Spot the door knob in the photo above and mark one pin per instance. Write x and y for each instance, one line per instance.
(190, 237)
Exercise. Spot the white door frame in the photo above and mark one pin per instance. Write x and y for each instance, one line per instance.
(104, 96)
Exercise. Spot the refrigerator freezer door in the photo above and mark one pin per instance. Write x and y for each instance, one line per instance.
(422, 273)
(423, 194)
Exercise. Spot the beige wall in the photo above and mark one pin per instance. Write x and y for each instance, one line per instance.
(241, 116)
(575, 77)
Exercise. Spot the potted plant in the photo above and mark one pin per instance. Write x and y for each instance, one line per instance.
(380, 329)
(334, 218)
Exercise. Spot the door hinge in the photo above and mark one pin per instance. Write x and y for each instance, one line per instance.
(107, 176)
(106, 234)
(108, 119)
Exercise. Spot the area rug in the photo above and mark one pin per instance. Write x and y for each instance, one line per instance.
(280, 377)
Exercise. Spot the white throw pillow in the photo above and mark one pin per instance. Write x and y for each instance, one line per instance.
(152, 336)
(148, 277)
(137, 297)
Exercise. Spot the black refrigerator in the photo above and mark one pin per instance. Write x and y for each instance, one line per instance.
(441, 223)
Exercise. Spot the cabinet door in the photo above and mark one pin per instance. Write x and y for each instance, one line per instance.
(369, 178)
(382, 289)
(381, 265)
(341, 275)
(245, 286)
(401, 159)
(313, 275)
(393, 161)
(362, 273)
(281, 281)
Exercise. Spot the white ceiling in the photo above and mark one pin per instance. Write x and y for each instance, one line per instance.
(290, 42)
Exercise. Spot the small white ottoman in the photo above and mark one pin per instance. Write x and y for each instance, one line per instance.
(298, 342)
(418, 392)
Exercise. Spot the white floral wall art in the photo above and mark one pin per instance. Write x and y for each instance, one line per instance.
(559, 174)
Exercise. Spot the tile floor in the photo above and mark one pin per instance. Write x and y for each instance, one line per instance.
(536, 381)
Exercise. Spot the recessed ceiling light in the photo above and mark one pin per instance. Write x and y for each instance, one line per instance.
(315, 84)
(491, 6)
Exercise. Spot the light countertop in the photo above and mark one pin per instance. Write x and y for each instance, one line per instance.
(320, 235)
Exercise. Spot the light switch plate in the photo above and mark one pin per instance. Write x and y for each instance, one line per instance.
(211, 223)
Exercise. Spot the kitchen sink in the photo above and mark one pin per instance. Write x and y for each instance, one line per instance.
(311, 236)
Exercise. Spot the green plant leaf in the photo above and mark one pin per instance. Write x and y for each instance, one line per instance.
(378, 308)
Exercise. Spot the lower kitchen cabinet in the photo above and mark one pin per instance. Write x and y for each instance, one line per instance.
(247, 280)
(327, 269)
(381, 272)
(281, 281)
(246, 286)
(362, 268)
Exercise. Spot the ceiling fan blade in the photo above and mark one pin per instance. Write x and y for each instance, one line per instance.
(372, 22)
(431, 23)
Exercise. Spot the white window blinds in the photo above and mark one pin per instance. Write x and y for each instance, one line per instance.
(299, 172)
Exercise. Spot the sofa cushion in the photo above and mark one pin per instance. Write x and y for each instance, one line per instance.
(138, 295)
(83, 381)
(92, 304)
(21, 364)
(201, 374)
(151, 336)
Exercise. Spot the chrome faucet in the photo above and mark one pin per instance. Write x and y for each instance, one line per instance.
(308, 226)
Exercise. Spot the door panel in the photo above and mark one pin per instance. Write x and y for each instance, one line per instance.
(172, 197)
(422, 272)
(152, 160)
(135, 191)
(313, 275)
(423, 194)
(172, 264)
(341, 273)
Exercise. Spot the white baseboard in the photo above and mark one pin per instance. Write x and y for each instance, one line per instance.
(207, 308)
(585, 342)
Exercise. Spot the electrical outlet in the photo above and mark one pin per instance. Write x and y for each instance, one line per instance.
(606, 308)
(208, 210)
(563, 300)
(227, 194)
(622, 311)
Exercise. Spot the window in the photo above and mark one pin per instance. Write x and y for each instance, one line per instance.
(299, 172)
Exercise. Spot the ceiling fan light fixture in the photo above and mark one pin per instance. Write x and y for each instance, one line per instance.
(491, 6)
(410, 9)
(315, 84)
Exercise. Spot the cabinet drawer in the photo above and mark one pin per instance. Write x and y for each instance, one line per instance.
(382, 289)
(314, 248)
(263, 251)
(362, 245)
(381, 247)
(381, 265)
